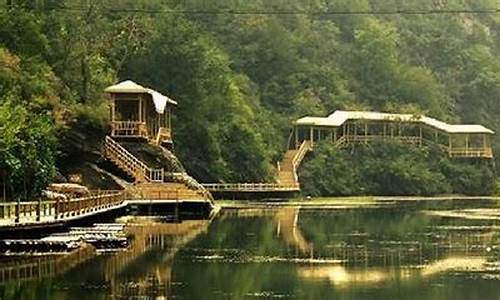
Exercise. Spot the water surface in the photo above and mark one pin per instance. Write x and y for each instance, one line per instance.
(409, 250)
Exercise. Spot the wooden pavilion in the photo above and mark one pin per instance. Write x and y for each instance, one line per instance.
(139, 112)
(348, 127)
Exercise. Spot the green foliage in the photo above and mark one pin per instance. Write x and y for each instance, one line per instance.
(241, 79)
(217, 132)
(27, 153)
(392, 168)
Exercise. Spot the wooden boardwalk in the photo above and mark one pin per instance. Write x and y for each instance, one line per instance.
(32, 214)
(251, 187)
(47, 212)
(286, 181)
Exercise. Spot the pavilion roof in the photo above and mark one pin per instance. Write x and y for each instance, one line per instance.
(339, 117)
(130, 87)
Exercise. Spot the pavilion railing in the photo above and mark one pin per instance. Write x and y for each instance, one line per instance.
(129, 129)
(164, 135)
(471, 152)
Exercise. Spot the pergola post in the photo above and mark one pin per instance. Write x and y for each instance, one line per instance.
(311, 135)
(169, 118)
(140, 108)
(467, 143)
(113, 114)
(449, 143)
(366, 130)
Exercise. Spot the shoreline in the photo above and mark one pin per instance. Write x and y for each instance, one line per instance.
(344, 202)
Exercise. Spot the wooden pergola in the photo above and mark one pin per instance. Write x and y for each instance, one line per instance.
(139, 112)
(349, 127)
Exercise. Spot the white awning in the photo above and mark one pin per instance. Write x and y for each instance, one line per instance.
(339, 117)
(129, 87)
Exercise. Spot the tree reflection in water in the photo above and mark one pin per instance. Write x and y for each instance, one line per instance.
(383, 253)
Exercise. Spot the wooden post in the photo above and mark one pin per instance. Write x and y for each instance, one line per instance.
(169, 118)
(485, 143)
(113, 108)
(56, 208)
(366, 131)
(18, 210)
(39, 209)
(140, 108)
(335, 134)
(311, 135)
(449, 144)
(466, 144)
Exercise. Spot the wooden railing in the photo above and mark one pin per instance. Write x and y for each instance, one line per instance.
(129, 129)
(131, 164)
(193, 184)
(44, 266)
(49, 210)
(416, 140)
(347, 139)
(164, 135)
(305, 147)
(471, 152)
(250, 187)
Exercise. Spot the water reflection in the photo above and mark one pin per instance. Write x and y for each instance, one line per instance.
(385, 252)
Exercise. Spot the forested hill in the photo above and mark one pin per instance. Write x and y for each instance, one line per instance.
(240, 77)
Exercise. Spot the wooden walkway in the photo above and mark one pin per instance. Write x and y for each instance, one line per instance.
(286, 181)
(250, 187)
(32, 214)
(36, 213)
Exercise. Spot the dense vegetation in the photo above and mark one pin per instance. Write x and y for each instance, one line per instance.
(240, 79)
(393, 168)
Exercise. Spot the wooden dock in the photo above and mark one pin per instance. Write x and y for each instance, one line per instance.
(47, 212)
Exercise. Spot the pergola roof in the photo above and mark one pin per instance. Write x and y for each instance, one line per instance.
(339, 117)
(130, 87)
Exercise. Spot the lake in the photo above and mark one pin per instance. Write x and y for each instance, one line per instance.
(344, 250)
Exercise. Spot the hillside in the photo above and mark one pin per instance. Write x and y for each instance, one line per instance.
(240, 78)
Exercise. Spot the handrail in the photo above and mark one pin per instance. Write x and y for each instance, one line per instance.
(250, 187)
(305, 147)
(301, 152)
(164, 134)
(136, 167)
(191, 182)
(129, 128)
(59, 209)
